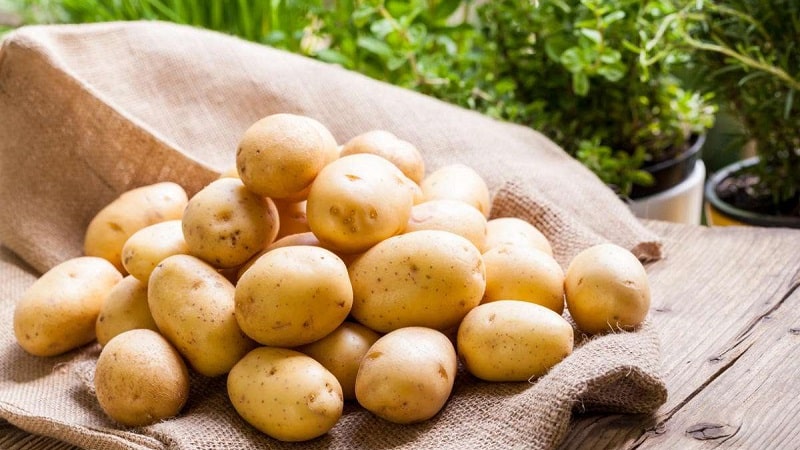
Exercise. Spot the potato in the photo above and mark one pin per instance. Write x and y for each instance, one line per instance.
(514, 231)
(140, 379)
(280, 155)
(449, 215)
(402, 154)
(427, 278)
(57, 313)
(607, 289)
(124, 308)
(225, 224)
(193, 306)
(407, 375)
(523, 273)
(341, 353)
(149, 246)
(293, 296)
(457, 182)
(292, 218)
(285, 394)
(513, 340)
(357, 201)
(130, 212)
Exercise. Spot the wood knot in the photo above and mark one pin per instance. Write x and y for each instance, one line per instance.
(794, 331)
(704, 431)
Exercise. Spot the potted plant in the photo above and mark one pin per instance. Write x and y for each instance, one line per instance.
(751, 54)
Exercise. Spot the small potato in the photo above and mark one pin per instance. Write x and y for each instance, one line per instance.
(293, 296)
(292, 218)
(140, 379)
(124, 308)
(57, 313)
(285, 394)
(407, 375)
(280, 155)
(358, 201)
(152, 244)
(449, 215)
(130, 212)
(225, 224)
(402, 154)
(523, 273)
(607, 289)
(193, 307)
(513, 340)
(341, 353)
(457, 182)
(514, 231)
(427, 278)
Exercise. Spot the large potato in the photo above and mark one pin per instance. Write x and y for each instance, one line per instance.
(399, 152)
(152, 244)
(449, 215)
(427, 278)
(57, 313)
(280, 155)
(225, 224)
(358, 201)
(457, 182)
(607, 289)
(293, 296)
(285, 394)
(407, 375)
(140, 378)
(124, 308)
(523, 273)
(514, 231)
(513, 340)
(193, 306)
(341, 353)
(292, 218)
(130, 212)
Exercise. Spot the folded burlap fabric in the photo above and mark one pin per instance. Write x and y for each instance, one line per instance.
(87, 112)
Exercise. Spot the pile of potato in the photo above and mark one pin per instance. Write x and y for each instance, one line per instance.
(314, 274)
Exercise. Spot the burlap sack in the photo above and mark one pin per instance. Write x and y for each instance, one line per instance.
(87, 112)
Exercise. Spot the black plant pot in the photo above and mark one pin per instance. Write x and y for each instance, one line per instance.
(671, 172)
(722, 213)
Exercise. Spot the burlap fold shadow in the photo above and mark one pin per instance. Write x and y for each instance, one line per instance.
(87, 112)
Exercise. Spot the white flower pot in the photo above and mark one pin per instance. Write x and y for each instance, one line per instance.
(682, 203)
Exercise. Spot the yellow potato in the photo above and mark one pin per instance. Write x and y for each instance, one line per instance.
(457, 182)
(402, 154)
(193, 306)
(407, 375)
(358, 201)
(523, 273)
(124, 308)
(514, 231)
(140, 379)
(607, 289)
(449, 215)
(285, 394)
(513, 340)
(293, 296)
(341, 353)
(129, 213)
(152, 244)
(292, 218)
(57, 313)
(280, 155)
(225, 224)
(427, 278)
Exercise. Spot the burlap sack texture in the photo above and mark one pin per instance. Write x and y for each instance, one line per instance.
(87, 112)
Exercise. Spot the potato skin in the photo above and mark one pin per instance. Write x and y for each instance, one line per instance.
(513, 340)
(57, 313)
(225, 224)
(607, 289)
(193, 307)
(407, 375)
(285, 394)
(449, 215)
(399, 152)
(130, 212)
(429, 278)
(457, 182)
(293, 296)
(124, 308)
(523, 273)
(149, 246)
(514, 231)
(140, 378)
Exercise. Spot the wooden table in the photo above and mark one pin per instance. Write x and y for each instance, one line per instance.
(727, 306)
